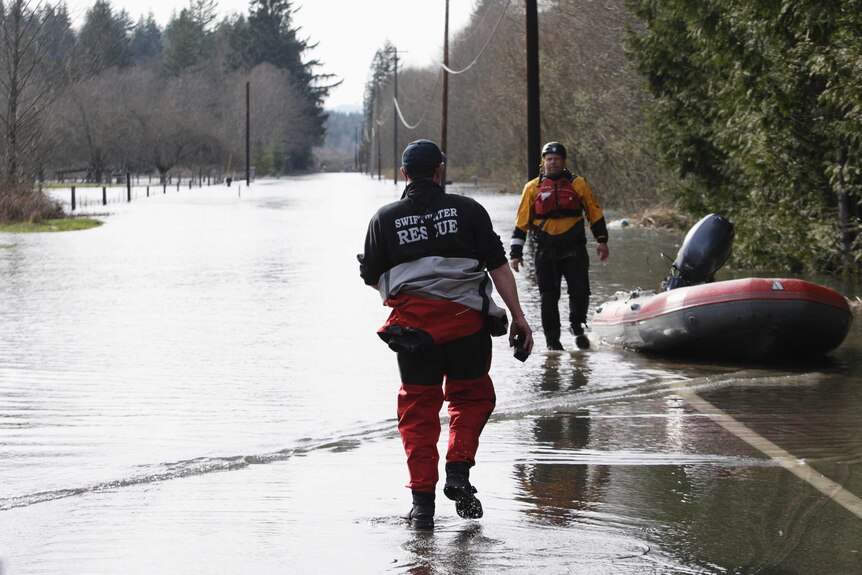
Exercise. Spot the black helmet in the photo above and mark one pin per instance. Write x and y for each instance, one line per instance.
(554, 148)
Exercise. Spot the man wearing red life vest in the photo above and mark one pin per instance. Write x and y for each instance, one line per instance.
(427, 254)
(554, 208)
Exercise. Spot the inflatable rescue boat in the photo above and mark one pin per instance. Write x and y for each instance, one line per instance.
(751, 318)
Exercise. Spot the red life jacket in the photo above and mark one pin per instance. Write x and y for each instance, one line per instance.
(556, 199)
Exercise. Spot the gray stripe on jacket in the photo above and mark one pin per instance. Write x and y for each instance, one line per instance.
(461, 280)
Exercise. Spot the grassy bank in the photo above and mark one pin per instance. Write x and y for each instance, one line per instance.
(58, 225)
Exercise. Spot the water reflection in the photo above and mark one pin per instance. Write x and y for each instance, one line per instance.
(422, 548)
(463, 550)
(623, 453)
(564, 373)
(557, 492)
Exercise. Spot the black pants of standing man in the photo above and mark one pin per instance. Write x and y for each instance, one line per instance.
(552, 265)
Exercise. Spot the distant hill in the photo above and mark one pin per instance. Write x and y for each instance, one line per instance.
(343, 133)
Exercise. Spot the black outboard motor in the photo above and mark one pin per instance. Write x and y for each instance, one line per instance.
(704, 250)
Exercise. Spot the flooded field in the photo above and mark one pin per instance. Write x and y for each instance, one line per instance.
(196, 387)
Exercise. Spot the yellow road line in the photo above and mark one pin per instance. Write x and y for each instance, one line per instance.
(785, 459)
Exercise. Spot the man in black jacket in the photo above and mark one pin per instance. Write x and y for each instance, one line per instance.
(427, 255)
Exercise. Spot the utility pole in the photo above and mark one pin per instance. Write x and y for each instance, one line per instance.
(376, 128)
(534, 145)
(247, 134)
(445, 112)
(379, 156)
(395, 162)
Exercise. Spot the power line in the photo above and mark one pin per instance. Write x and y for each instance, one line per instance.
(487, 42)
(439, 74)
(407, 100)
(476, 27)
(425, 113)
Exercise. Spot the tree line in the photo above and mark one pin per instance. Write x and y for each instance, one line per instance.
(746, 108)
(124, 95)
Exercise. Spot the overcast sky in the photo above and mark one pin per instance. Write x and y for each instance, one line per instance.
(347, 32)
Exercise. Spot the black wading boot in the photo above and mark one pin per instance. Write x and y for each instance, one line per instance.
(555, 345)
(459, 490)
(552, 338)
(581, 340)
(421, 516)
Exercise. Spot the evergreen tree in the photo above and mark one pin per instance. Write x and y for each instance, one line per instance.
(204, 13)
(104, 41)
(186, 44)
(753, 106)
(268, 36)
(382, 68)
(58, 39)
(146, 40)
(274, 40)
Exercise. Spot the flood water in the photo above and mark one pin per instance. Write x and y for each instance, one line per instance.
(197, 387)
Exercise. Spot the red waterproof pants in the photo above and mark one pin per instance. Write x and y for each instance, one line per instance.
(464, 364)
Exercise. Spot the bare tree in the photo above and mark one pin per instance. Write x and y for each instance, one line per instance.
(170, 119)
(91, 120)
(279, 119)
(593, 99)
(26, 89)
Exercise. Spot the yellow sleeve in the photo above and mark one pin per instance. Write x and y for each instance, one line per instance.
(525, 208)
(591, 204)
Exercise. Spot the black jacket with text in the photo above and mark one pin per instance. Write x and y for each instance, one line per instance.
(427, 221)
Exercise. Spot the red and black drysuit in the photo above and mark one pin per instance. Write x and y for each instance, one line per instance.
(427, 254)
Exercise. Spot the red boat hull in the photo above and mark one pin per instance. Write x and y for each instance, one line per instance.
(751, 318)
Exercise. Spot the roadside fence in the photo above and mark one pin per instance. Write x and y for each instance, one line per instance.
(79, 196)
